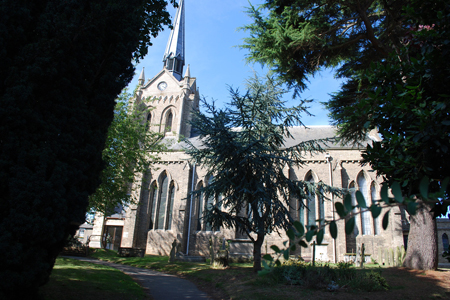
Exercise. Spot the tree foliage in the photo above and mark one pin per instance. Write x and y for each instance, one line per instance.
(407, 99)
(297, 38)
(393, 57)
(62, 64)
(243, 148)
(130, 149)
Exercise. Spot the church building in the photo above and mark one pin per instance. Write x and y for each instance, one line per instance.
(166, 211)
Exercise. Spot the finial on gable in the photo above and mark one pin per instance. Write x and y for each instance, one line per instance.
(141, 79)
(188, 72)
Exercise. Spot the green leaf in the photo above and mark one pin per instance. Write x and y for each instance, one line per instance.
(286, 254)
(348, 202)
(386, 219)
(384, 193)
(309, 235)
(424, 183)
(300, 228)
(360, 199)
(275, 248)
(290, 234)
(397, 191)
(265, 266)
(412, 208)
(268, 257)
(320, 237)
(375, 210)
(333, 229)
(293, 247)
(340, 209)
(303, 244)
(350, 225)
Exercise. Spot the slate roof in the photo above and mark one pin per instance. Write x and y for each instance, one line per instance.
(299, 133)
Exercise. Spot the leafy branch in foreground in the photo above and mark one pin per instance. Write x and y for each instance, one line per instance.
(129, 150)
(347, 211)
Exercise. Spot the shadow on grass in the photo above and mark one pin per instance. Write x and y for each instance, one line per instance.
(240, 282)
(72, 279)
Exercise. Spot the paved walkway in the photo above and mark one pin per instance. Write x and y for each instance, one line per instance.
(158, 285)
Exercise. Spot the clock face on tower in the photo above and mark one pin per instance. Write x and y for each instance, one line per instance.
(162, 85)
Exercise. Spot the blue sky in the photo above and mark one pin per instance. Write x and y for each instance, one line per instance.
(212, 40)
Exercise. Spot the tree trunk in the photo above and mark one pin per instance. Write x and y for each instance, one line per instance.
(257, 253)
(422, 252)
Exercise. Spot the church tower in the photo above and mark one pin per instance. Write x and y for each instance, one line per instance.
(170, 95)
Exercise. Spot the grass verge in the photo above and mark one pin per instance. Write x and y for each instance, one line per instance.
(240, 282)
(72, 280)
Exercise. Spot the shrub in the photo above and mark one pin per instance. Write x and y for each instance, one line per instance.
(446, 254)
(369, 282)
(321, 276)
(298, 272)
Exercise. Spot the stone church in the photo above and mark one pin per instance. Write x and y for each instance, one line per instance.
(166, 212)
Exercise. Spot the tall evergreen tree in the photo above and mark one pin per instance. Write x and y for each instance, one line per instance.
(243, 148)
(62, 65)
(393, 57)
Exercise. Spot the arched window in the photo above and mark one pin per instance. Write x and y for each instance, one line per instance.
(168, 126)
(209, 205)
(352, 187)
(148, 121)
(170, 206)
(152, 204)
(321, 207)
(162, 203)
(301, 212)
(445, 242)
(365, 213)
(199, 207)
(311, 212)
(376, 223)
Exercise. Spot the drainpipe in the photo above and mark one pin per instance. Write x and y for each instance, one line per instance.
(190, 210)
(329, 158)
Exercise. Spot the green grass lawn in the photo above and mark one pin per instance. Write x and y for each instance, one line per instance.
(240, 282)
(73, 279)
(235, 282)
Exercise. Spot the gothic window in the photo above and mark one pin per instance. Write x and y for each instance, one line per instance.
(152, 204)
(162, 203)
(148, 122)
(376, 223)
(199, 207)
(365, 213)
(301, 212)
(170, 207)
(311, 204)
(445, 242)
(321, 207)
(352, 188)
(209, 205)
(168, 126)
(163, 208)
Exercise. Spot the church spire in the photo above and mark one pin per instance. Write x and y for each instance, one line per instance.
(174, 55)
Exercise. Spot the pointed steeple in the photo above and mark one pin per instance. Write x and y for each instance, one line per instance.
(141, 79)
(174, 55)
